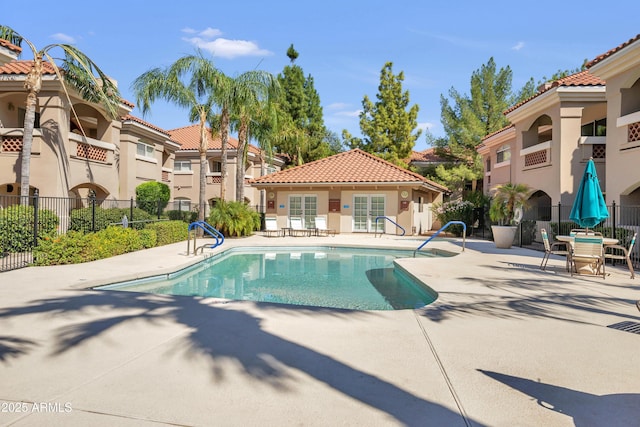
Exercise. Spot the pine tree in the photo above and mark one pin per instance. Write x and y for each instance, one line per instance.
(388, 125)
(304, 136)
(469, 119)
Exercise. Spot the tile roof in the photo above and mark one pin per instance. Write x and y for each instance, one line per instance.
(354, 166)
(613, 51)
(23, 67)
(189, 138)
(10, 46)
(426, 156)
(142, 122)
(504, 129)
(583, 78)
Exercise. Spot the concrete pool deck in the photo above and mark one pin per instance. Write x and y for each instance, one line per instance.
(505, 344)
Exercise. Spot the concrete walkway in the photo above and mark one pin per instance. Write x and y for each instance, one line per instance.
(505, 344)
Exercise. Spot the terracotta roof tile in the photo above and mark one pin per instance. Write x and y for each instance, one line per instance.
(355, 166)
(613, 51)
(428, 156)
(583, 78)
(10, 46)
(189, 138)
(23, 67)
(142, 122)
(499, 131)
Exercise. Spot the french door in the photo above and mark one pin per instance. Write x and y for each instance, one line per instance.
(366, 208)
(304, 206)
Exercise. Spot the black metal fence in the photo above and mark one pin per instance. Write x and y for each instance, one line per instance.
(622, 224)
(24, 220)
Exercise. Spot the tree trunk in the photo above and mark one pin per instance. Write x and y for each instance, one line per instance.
(204, 145)
(224, 138)
(243, 132)
(33, 83)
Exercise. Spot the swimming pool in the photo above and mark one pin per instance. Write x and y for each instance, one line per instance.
(334, 277)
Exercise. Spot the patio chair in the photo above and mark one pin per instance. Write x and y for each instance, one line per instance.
(614, 252)
(555, 248)
(321, 227)
(271, 227)
(296, 228)
(587, 255)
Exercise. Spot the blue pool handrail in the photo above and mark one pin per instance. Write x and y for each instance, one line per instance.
(391, 221)
(464, 234)
(208, 229)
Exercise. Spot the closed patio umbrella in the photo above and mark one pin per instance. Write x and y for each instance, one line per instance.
(589, 208)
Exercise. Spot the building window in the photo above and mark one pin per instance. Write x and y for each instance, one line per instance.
(215, 167)
(182, 165)
(145, 150)
(182, 204)
(488, 167)
(503, 154)
(595, 128)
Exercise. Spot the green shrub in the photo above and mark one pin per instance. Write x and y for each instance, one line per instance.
(148, 238)
(169, 231)
(186, 216)
(69, 248)
(152, 196)
(81, 218)
(16, 227)
(234, 219)
(75, 247)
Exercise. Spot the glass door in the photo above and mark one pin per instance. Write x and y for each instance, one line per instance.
(366, 208)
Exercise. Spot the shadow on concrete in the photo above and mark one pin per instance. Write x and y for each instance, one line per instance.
(586, 409)
(220, 332)
(14, 347)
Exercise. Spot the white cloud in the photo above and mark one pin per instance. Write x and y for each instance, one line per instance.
(518, 46)
(63, 38)
(337, 106)
(210, 41)
(355, 113)
(425, 125)
(210, 33)
(188, 30)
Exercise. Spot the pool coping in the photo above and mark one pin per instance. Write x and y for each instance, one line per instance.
(502, 337)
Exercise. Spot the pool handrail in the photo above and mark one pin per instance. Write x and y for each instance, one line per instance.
(464, 234)
(391, 221)
(207, 228)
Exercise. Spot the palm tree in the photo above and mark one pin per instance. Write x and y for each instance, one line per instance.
(196, 94)
(254, 94)
(76, 70)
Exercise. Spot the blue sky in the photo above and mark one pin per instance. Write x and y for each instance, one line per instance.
(342, 44)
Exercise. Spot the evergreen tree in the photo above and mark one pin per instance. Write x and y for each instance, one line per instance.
(468, 119)
(388, 125)
(303, 135)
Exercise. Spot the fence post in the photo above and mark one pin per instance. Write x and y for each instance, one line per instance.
(560, 230)
(131, 210)
(92, 198)
(36, 220)
(613, 219)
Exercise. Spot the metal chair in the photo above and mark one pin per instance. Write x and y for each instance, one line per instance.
(588, 253)
(271, 227)
(614, 252)
(553, 249)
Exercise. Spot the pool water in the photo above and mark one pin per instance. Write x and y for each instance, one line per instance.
(350, 278)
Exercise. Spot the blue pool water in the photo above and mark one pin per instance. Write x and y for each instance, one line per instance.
(350, 278)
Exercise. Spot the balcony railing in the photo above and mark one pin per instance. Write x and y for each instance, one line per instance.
(537, 155)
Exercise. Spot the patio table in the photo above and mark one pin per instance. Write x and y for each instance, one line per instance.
(586, 266)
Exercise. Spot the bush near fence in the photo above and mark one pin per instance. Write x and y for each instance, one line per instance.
(169, 231)
(76, 247)
(16, 227)
(83, 219)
